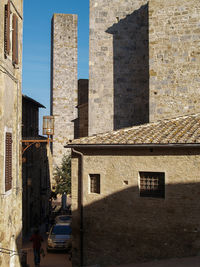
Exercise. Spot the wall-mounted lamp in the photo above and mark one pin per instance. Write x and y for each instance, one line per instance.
(48, 129)
(48, 125)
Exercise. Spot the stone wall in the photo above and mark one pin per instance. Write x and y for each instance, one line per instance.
(10, 121)
(119, 226)
(174, 41)
(118, 64)
(82, 107)
(144, 62)
(63, 81)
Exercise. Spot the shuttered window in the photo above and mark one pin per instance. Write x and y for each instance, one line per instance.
(15, 40)
(8, 162)
(7, 29)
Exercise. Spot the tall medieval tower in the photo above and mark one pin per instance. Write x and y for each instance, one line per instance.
(144, 62)
(63, 81)
(118, 64)
(174, 58)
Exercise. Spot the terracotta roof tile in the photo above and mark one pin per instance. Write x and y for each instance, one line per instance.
(181, 130)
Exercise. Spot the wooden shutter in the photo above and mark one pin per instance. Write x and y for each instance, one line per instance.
(15, 40)
(7, 29)
(8, 162)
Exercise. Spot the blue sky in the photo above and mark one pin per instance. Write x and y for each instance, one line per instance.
(36, 44)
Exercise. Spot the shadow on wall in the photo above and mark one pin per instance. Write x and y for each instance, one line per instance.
(131, 69)
(36, 188)
(81, 122)
(123, 227)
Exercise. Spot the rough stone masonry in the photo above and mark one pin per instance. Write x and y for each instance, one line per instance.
(144, 62)
(63, 81)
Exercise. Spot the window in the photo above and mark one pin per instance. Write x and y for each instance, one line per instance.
(152, 184)
(95, 183)
(7, 29)
(8, 161)
(15, 40)
(11, 35)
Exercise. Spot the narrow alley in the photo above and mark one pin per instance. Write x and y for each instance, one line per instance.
(51, 259)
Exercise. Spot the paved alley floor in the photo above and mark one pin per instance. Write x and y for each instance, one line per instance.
(52, 259)
(183, 262)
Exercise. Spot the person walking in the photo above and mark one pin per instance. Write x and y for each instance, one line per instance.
(37, 239)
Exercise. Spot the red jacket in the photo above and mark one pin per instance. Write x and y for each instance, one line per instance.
(36, 239)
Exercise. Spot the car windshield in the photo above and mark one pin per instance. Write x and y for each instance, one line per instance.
(64, 218)
(61, 230)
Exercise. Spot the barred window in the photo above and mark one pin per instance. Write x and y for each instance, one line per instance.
(95, 183)
(8, 161)
(152, 184)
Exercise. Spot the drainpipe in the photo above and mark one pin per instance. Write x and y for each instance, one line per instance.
(81, 202)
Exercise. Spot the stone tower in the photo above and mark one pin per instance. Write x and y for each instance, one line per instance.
(144, 62)
(118, 64)
(174, 59)
(63, 81)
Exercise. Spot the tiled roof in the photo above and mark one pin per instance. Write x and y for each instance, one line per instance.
(181, 130)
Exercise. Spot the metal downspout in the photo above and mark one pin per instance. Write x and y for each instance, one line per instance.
(80, 196)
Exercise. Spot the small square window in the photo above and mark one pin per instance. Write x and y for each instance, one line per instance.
(95, 183)
(152, 184)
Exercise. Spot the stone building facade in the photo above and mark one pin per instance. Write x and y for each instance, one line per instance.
(35, 168)
(135, 193)
(11, 25)
(64, 86)
(143, 57)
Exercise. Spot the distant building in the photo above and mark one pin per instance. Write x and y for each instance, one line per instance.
(69, 96)
(64, 85)
(11, 25)
(35, 168)
(82, 108)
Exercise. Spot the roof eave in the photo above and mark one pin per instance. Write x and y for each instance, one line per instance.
(36, 103)
(175, 145)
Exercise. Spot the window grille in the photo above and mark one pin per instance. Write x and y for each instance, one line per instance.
(95, 183)
(152, 184)
(8, 162)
